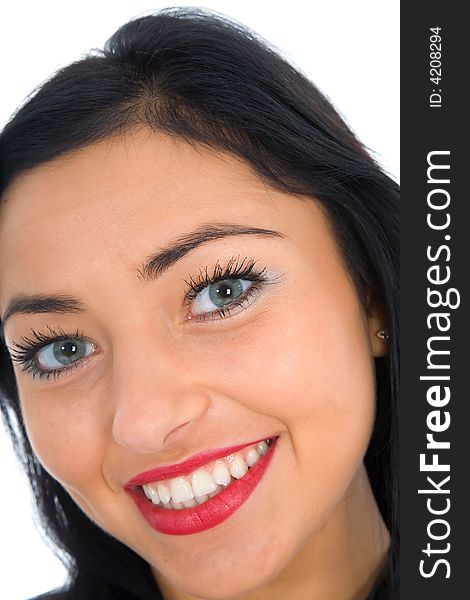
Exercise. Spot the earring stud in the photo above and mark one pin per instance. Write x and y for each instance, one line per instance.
(383, 335)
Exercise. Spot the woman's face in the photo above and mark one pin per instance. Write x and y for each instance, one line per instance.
(156, 375)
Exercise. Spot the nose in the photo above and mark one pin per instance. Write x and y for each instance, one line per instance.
(156, 396)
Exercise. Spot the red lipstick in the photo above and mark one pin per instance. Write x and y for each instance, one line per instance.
(208, 514)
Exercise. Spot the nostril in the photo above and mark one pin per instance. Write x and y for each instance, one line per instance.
(175, 431)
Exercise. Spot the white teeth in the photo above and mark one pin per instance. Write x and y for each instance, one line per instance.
(153, 495)
(215, 492)
(181, 490)
(202, 483)
(164, 493)
(220, 473)
(251, 457)
(238, 467)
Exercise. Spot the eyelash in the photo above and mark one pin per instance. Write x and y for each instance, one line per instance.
(24, 352)
(234, 270)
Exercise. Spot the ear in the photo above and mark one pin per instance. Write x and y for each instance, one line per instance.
(377, 327)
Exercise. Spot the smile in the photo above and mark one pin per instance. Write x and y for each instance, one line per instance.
(206, 496)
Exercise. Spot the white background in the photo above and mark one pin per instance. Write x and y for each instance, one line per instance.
(349, 49)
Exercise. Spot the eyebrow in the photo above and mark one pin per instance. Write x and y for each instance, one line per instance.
(153, 267)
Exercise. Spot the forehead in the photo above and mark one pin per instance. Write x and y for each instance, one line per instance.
(121, 198)
(123, 176)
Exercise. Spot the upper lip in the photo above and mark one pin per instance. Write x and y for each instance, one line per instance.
(186, 466)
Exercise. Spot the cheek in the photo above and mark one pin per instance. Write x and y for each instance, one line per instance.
(294, 366)
(66, 435)
(315, 378)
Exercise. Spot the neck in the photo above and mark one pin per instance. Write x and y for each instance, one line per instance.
(340, 561)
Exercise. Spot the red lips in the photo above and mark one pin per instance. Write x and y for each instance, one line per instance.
(208, 514)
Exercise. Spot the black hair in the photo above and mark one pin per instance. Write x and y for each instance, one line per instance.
(209, 81)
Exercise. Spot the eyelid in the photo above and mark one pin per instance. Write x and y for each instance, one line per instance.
(234, 269)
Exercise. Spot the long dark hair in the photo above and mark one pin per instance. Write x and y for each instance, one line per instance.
(202, 78)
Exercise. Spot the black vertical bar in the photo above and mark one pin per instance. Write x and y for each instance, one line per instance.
(435, 272)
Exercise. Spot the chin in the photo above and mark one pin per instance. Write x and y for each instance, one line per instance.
(230, 576)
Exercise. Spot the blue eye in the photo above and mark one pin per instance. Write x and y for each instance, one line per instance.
(49, 355)
(63, 352)
(219, 294)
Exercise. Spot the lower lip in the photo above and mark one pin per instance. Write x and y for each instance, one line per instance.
(209, 514)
